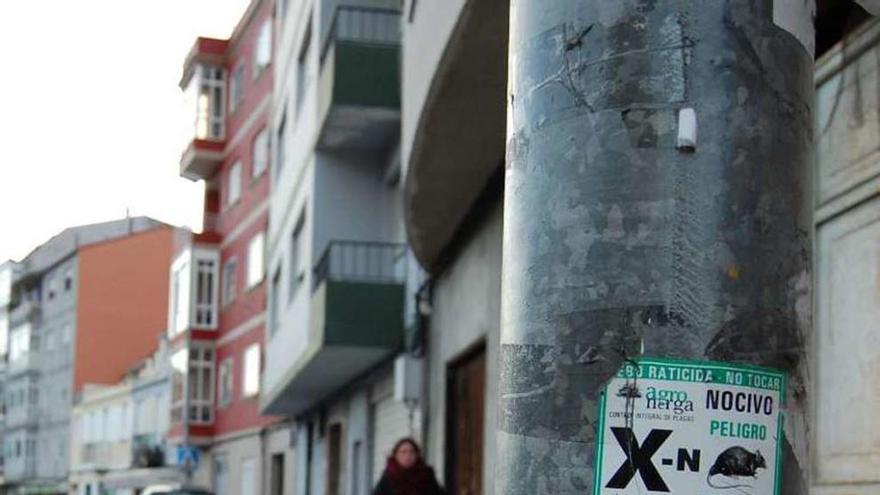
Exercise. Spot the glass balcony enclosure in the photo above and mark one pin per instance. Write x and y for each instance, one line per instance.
(194, 290)
(204, 90)
(205, 96)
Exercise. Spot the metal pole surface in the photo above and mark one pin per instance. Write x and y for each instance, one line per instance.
(657, 203)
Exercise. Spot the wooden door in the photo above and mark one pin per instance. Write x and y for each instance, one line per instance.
(334, 459)
(465, 416)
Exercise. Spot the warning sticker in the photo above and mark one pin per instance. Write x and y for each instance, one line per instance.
(690, 428)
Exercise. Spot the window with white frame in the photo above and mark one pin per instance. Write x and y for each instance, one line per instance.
(206, 93)
(229, 280)
(260, 156)
(199, 376)
(201, 385)
(251, 379)
(237, 91)
(206, 292)
(180, 294)
(224, 382)
(255, 260)
(263, 49)
(233, 184)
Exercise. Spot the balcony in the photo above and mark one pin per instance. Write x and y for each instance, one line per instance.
(359, 91)
(204, 89)
(201, 159)
(194, 288)
(148, 451)
(356, 321)
(26, 312)
(24, 363)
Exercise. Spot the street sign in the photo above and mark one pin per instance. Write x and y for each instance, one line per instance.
(188, 457)
(690, 428)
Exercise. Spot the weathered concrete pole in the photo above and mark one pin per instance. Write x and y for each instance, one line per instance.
(635, 227)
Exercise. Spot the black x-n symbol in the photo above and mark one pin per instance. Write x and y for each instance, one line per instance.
(638, 458)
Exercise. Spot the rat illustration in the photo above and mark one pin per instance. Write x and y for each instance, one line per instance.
(736, 461)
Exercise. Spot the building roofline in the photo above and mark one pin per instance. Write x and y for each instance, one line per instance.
(26, 272)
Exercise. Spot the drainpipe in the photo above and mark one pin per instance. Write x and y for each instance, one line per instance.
(657, 204)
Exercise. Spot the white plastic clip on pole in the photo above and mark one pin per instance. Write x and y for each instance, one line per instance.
(687, 130)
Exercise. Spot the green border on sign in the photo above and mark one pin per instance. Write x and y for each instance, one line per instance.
(600, 438)
(600, 444)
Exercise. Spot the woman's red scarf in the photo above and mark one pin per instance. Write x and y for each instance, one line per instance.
(412, 481)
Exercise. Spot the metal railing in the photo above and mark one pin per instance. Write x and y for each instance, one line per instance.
(360, 261)
(148, 450)
(362, 25)
(25, 311)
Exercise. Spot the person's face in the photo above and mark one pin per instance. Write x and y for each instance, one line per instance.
(405, 456)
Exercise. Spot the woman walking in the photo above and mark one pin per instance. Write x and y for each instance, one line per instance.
(406, 472)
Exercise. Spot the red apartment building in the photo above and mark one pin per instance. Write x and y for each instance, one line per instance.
(217, 288)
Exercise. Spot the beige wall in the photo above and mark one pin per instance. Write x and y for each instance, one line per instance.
(846, 344)
(467, 305)
(260, 449)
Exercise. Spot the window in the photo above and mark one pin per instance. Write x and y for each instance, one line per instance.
(224, 383)
(229, 280)
(260, 158)
(233, 184)
(255, 260)
(206, 311)
(251, 379)
(19, 342)
(302, 66)
(52, 287)
(263, 50)
(279, 146)
(248, 477)
(206, 94)
(237, 91)
(66, 333)
(180, 282)
(200, 384)
(194, 290)
(296, 258)
(68, 280)
(274, 297)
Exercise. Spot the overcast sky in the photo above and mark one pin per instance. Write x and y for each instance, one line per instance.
(91, 119)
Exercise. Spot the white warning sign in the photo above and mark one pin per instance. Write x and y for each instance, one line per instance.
(690, 428)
